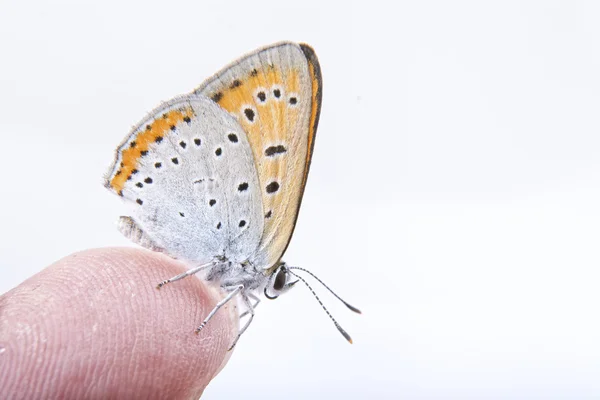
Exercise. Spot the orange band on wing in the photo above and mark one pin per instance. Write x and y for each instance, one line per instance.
(141, 142)
(241, 91)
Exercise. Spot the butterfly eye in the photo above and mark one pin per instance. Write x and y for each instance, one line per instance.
(280, 280)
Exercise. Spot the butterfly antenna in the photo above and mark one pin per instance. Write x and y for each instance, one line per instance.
(343, 332)
(356, 310)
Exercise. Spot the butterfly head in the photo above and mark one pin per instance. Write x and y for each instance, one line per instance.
(283, 278)
(279, 282)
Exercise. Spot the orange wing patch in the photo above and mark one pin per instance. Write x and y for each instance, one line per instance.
(261, 102)
(138, 147)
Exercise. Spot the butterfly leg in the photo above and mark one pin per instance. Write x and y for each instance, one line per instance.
(255, 298)
(234, 290)
(189, 272)
(251, 312)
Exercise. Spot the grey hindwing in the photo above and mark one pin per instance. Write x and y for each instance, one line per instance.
(196, 193)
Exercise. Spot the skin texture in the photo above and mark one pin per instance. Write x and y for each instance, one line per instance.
(93, 325)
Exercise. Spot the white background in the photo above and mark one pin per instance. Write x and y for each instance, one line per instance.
(454, 193)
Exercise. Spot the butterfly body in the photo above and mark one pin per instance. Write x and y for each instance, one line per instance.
(216, 177)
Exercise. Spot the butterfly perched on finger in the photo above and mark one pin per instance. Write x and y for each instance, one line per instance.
(216, 177)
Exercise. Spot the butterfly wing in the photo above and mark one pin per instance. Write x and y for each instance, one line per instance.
(188, 171)
(275, 95)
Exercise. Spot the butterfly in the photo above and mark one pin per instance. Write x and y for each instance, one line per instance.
(216, 177)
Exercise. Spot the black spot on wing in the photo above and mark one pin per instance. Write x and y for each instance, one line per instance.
(273, 150)
(249, 114)
(272, 187)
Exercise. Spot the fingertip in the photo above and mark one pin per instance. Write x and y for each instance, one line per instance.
(123, 337)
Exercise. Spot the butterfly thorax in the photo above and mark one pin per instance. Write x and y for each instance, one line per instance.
(226, 274)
